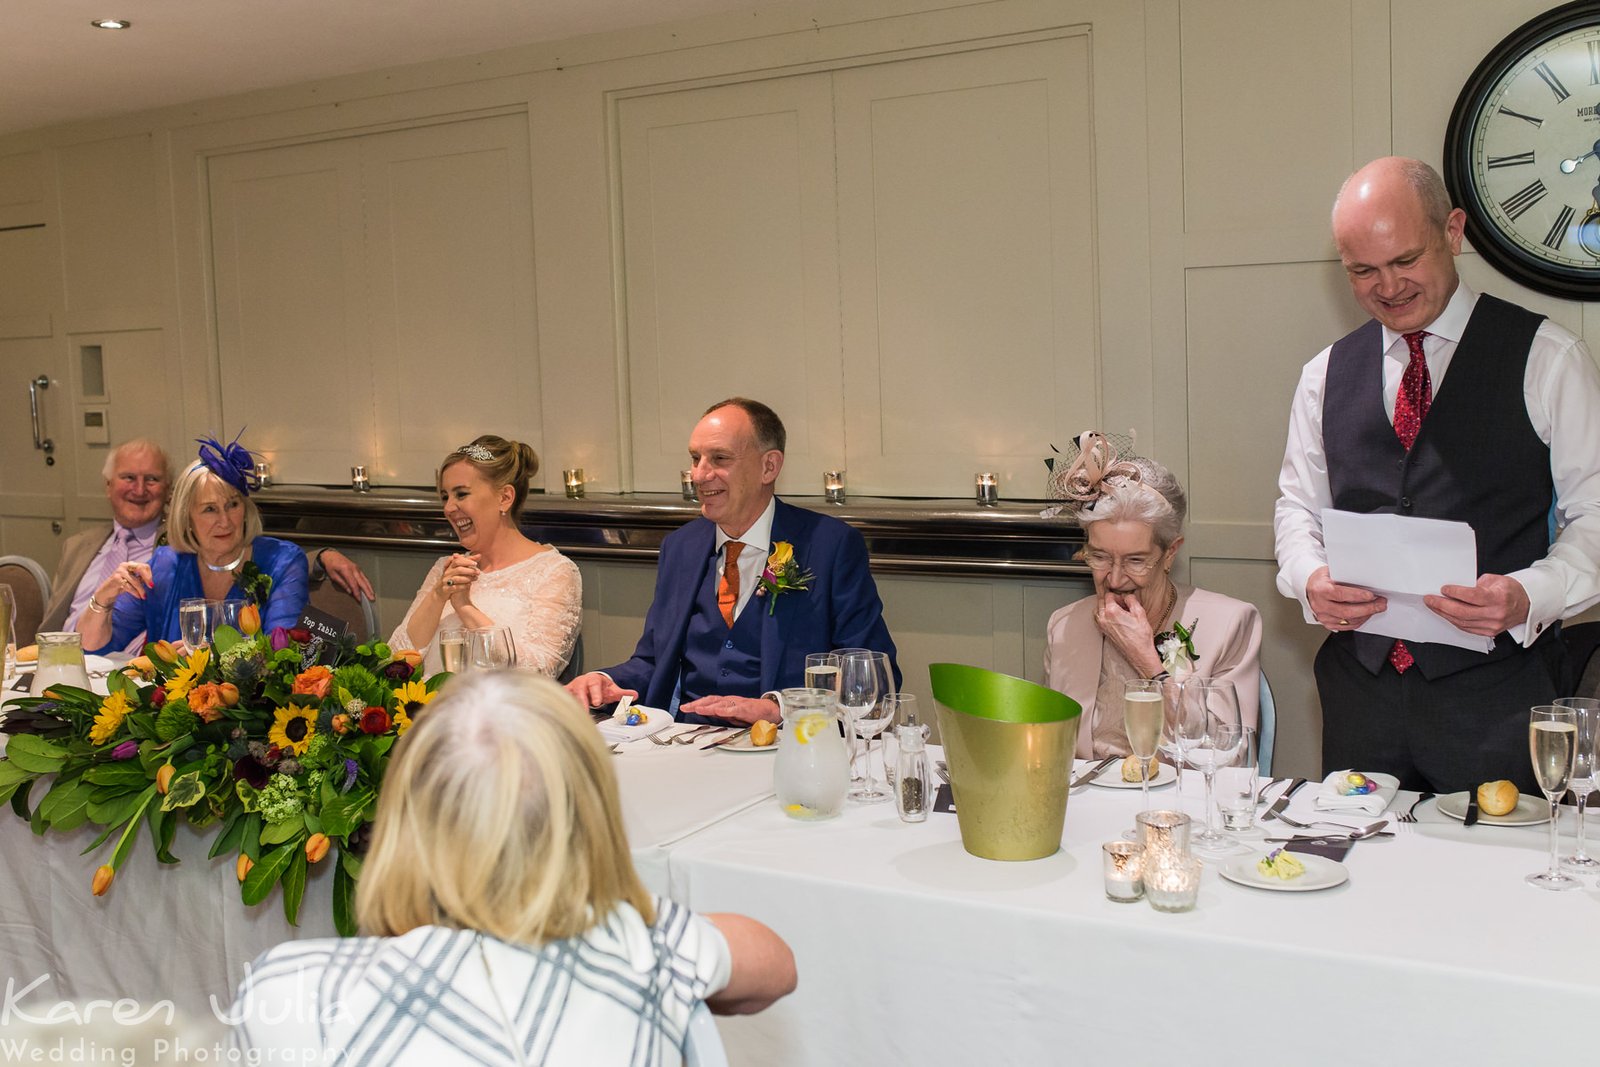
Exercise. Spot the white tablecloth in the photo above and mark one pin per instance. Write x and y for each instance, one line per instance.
(910, 950)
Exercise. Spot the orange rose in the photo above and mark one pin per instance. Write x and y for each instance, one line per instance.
(206, 701)
(313, 681)
(249, 620)
(102, 879)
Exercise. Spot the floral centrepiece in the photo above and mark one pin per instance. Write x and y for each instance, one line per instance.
(1176, 649)
(279, 758)
(781, 575)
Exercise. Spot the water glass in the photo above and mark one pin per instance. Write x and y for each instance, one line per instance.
(194, 620)
(491, 647)
(1583, 772)
(225, 613)
(822, 671)
(1237, 784)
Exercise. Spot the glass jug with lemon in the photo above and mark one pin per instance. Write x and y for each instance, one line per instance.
(812, 771)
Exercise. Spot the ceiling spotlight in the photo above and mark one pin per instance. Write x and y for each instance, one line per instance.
(110, 24)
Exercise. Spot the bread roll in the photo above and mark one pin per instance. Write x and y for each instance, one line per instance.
(28, 654)
(1497, 798)
(763, 733)
(1133, 769)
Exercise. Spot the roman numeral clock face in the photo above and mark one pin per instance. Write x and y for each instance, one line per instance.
(1522, 153)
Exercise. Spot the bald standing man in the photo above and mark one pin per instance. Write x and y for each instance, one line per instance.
(1453, 405)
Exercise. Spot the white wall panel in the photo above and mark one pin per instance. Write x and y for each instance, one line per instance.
(109, 223)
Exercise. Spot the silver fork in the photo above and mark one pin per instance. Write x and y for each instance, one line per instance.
(1298, 825)
(1410, 814)
(688, 736)
(657, 739)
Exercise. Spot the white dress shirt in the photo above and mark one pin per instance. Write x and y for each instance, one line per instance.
(1561, 389)
(757, 543)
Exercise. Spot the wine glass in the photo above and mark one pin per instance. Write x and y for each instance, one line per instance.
(861, 686)
(1553, 745)
(194, 618)
(870, 721)
(854, 693)
(225, 613)
(491, 647)
(1142, 715)
(1210, 734)
(8, 618)
(1583, 767)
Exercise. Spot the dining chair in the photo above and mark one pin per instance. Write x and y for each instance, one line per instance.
(1582, 641)
(358, 613)
(30, 585)
(702, 1044)
(1267, 732)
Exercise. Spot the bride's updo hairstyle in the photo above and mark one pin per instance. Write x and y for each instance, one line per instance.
(502, 462)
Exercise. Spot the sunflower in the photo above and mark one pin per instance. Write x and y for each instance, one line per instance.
(293, 729)
(187, 675)
(113, 709)
(409, 699)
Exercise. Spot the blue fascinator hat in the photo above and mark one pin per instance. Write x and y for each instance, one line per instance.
(231, 462)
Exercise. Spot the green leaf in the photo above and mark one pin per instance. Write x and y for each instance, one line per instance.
(66, 807)
(121, 773)
(97, 842)
(131, 833)
(288, 830)
(184, 790)
(14, 774)
(294, 887)
(250, 840)
(117, 682)
(163, 827)
(224, 638)
(113, 811)
(344, 901)
(19, 798)
(343, 814)
(351, 863)
(265, 874)
(228, 838)
(33, 753)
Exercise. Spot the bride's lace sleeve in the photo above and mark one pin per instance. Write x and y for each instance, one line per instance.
(552, 611)
(401, 638)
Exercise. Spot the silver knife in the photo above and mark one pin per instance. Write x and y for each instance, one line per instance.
(1282, 802)
(1472, 808)
(1093, 772)
(724, 740)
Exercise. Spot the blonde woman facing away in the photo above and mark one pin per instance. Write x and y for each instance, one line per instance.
(507, 922)
(501, 577)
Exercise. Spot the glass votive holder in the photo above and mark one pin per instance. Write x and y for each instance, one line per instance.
(987, 485)
(833, 486)
(264, 475)
(1163, 833)
(358, 478)
(1124, 868)
(686, 478)
(1172, 883)
(572, 478)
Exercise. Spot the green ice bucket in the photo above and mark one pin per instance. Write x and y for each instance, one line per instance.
(1009, 746)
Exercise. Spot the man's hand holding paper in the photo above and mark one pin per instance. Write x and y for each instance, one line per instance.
(1426, 571)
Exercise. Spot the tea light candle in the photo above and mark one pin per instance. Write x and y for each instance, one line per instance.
(1163, 833)
(1124, 864)
(988, 486)
(264, 474)
(833, 486)
(689, 491)
(358, 479)
(573, 478)
(1172, 883)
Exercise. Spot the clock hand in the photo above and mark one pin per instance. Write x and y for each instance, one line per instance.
(1570, 165)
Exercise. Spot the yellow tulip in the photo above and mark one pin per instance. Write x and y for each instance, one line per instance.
(317, 846)
(102, 879)
(164, 778)
(250, 620)
(244, 865)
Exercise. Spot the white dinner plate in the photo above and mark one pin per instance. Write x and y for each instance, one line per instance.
(1321, 873)
(1530, 811)
(743, 745)
(1112, 778)
(614, 732)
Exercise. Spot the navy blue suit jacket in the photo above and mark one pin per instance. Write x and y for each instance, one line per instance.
(840, 608)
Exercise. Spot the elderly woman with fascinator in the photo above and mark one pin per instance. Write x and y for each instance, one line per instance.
(1139, 621)
(215, 551)
(505, 921)
(502, 578)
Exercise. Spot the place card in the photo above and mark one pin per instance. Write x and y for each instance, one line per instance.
(1333, 850)
(944, 800)
(326, 632)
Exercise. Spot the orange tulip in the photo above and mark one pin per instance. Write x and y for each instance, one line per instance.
(250, 620)
(230, 694)
(244, 865)
(164, 650)
(411, 656)
(317, 846)
(164, 778)
(102, 879)
(341, 723)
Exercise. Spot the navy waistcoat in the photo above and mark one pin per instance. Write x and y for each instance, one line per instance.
(718, 660)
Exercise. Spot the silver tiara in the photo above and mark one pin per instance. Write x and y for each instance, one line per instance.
(477, 452)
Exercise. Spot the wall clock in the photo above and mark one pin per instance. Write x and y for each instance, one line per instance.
(1522, 153)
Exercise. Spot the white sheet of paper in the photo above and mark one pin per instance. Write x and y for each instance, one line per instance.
(1404, 558)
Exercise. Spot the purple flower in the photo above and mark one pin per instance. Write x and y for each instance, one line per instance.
(249, 769)
(126, 750)
(349, 775)
(398, 671)
(279, 638)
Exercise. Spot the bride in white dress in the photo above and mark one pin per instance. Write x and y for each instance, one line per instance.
(501, 577)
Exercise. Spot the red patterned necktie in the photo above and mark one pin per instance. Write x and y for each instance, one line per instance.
(1410, 408)
(728, 588)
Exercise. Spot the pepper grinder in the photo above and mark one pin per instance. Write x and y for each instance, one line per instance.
(911, 785)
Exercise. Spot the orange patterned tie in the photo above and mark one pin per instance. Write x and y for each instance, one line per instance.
(728, 588)
(1410, 408)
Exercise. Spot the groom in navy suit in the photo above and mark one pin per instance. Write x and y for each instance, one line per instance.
(714, 641)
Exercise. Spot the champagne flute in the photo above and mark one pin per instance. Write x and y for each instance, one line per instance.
(194, 616)
(491, 647)
(1142, 715)
(453, 649)
(8, 618)
(1553, 745)
(1210, 732)
(1583, 777)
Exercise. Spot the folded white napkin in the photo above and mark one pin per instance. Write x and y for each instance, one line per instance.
(656, 720)
(1329, 798)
